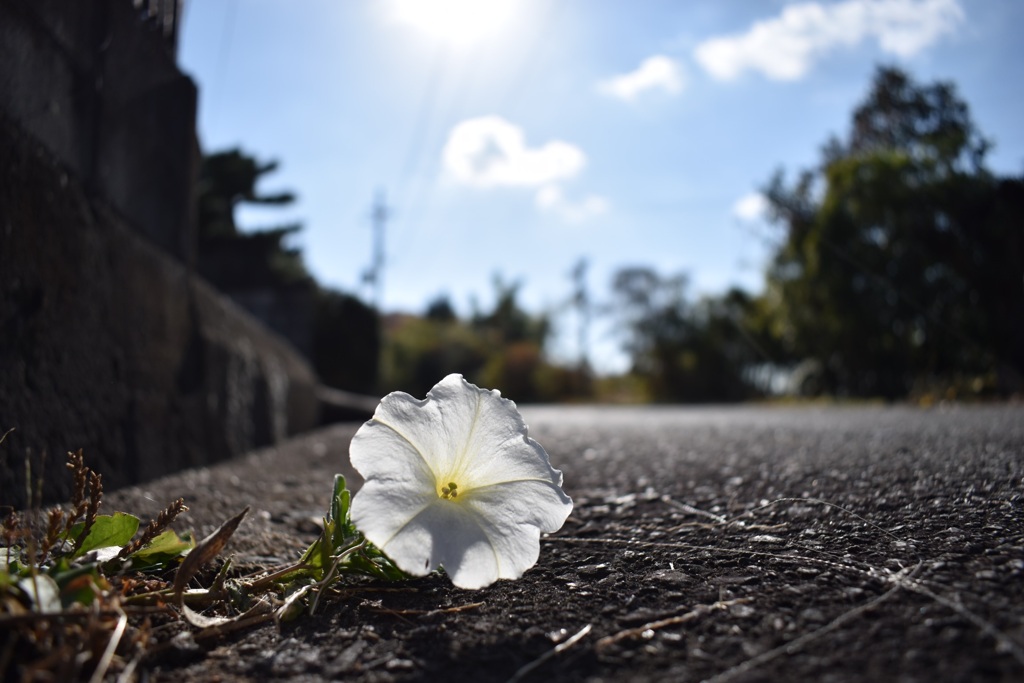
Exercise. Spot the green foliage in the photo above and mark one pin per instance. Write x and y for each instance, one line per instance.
(507, 322)
(517, 369)
(419, 350)
(227, 179)
(341, 548)
(902, 257)
(440, 310)
(85, 560)
(71, 562)
(229, 257)
(930, 124)
(502, 347)
(162, 551)
(117, 530)
(685, 351)
(63, 576)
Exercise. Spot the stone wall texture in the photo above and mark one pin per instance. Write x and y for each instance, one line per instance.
(109, 342)
(101, 90)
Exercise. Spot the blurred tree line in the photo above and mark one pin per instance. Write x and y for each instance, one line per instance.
(901, 265)
(683, 350)
(501, 348)
(897, 269)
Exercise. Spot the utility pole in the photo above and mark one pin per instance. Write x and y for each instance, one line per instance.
(374, 275)
(581, 301)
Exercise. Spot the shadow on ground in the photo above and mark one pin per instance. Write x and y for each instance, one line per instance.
(742, 544)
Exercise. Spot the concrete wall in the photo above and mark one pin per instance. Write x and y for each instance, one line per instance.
(241, 268)
(101, 90)
(108, 340)
(289, 312)
(108, 344)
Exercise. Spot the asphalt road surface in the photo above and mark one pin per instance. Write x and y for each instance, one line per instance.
(719, 544)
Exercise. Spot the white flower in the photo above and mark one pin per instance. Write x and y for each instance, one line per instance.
(455, 481)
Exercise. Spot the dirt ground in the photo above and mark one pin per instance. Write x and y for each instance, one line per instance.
(738, 544)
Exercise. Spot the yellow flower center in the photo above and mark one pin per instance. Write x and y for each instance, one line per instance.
(450, 491)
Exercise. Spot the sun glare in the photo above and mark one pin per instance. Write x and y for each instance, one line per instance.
(459, 23)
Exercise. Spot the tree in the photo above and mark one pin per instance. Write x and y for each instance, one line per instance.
(580, 301)
(419, 351)
(502, 347)
(228, 257)
(508, 322)
(690, 352)
(901, 260)
(227, 179)
(440, 310)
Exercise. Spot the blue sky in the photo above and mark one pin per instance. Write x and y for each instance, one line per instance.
(518, 140)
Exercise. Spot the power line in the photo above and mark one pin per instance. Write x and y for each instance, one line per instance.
(408, 195)
(442, 93)
(223, 56)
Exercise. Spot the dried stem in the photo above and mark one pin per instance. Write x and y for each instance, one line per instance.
(76, 463)
(11, 529)
(108, 653)
(558, 649)
(93, 508)
(155, 527)
(639, 631)
(54, 526)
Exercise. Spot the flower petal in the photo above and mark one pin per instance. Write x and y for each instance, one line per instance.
(444, 534)
(512, 516)
(461, 428)
(437, 427)
(500, 449)
(494, 533)
(508, 492)
(398, 483)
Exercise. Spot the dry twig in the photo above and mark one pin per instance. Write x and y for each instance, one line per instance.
(558, 649)
(640, 631)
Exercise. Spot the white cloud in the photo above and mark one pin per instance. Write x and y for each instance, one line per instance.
(489, 151)
(657, 72)
(751, 207)
(785, 47)
(550, 198)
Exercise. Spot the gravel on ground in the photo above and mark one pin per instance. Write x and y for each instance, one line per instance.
(871, 543)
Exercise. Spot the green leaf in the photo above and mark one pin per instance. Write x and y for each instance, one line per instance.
(80, 585)
(294, 604)
(339, 501)
(116, 529)
(312, 555)
(341, 544)
(372, 562)
(159, 552)
(327, 547)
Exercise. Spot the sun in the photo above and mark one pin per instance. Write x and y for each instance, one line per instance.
(457, 23)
